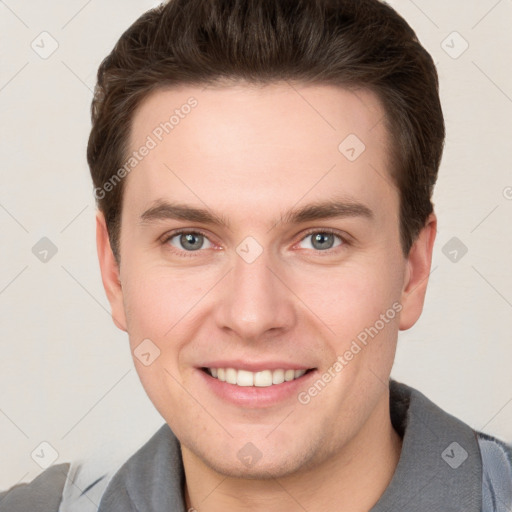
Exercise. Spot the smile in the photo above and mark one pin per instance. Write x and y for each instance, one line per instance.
(262, 378)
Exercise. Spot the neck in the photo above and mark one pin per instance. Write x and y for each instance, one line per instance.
(351, 480)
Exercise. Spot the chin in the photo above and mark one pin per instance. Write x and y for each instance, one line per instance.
(260, 471)
(250, 463)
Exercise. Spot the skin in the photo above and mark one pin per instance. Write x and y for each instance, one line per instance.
(250, 154)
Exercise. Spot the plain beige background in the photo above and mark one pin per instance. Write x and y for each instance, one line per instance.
(66, 373)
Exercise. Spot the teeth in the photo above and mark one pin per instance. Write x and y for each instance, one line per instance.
(230, 375)
(263, 379)
(256, 379)
(289, 375)
(277, 376)
(244, 378)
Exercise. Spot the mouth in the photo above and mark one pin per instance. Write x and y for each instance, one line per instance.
(261, 379)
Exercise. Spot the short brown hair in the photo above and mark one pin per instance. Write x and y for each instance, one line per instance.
(350, 43)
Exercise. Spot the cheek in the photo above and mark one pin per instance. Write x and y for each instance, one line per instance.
(349, 298)
(160, 299)
(160, 315)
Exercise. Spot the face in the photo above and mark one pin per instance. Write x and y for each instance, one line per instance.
(262, 282)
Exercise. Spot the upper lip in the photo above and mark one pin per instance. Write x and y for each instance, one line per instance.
(255, 366)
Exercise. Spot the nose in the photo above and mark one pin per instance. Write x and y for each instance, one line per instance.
(255, 302)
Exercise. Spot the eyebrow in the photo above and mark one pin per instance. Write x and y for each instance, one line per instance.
(164, 210)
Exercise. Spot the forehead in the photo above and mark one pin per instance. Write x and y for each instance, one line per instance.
(244, 147)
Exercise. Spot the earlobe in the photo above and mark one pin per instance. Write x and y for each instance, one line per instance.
(417, 273)
(110, 274)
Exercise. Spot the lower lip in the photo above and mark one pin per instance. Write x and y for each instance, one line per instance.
(253, 396)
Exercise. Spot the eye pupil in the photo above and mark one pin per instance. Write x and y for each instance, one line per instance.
(191, 241)
(321, 239)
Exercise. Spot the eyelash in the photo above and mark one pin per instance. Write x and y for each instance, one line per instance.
(187, 254)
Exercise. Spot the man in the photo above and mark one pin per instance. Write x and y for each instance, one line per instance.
(264, 173)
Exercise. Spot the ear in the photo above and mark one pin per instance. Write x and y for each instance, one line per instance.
(417, 273)
(110, 274)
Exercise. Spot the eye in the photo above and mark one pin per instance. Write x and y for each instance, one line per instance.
(188, 240)
(322, 240)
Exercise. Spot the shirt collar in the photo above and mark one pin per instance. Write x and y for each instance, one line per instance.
(440, 467)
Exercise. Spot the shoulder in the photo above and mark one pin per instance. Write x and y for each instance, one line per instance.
(80, 486)
(496, 473)
(68, 487)
(44, 493)
(485, 461)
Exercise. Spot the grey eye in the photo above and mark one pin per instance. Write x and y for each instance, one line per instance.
(189, 241)
(321, 240)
